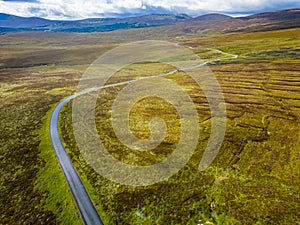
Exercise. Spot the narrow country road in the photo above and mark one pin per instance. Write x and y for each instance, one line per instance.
(85, 206)
(87, 210)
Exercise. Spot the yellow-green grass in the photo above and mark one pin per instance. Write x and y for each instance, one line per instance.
(52, 181)
(245, 43)
(26, 96)
(79, 164)
(252, 172)
(248, 182)
(253, 180)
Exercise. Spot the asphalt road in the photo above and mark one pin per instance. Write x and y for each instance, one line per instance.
(87, 210)
(85, 206)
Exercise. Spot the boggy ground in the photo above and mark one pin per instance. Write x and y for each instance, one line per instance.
(255, 178)
(33, 76)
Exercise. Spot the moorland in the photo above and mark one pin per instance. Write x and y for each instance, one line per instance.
(253, 180)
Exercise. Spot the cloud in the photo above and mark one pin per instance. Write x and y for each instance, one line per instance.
(20, 0)
(77, 9)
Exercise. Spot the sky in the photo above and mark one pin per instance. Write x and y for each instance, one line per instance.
(80, 9)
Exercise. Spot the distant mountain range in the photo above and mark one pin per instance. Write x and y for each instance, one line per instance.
(16, 23)
(11, 23)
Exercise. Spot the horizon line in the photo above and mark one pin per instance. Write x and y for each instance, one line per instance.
(124, 16)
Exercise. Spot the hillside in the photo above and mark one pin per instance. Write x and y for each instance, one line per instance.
(212, 17)
(11, 23)
(289, 14)
(206, 23)
(253, 180)
(276, 20)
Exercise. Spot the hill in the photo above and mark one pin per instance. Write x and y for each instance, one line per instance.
(181, 23)
(11, 23)
(277, 20)
(289, 14)
(211, 17)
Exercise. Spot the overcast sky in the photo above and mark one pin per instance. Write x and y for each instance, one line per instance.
(79, 9)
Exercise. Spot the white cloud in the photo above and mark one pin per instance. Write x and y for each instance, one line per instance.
(75, 9)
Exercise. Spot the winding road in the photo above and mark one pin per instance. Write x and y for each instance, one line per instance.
(87, 209)
(85, 206)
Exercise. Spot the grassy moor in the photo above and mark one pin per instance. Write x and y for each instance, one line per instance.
(253, 180)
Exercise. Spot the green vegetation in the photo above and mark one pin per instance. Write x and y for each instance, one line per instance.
(21, 113)
(250, 180)
(254, 180)
(52, 181)
(281, 54)
(33, 189)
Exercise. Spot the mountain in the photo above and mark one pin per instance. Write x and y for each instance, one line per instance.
(11, 21)
(282, 19)
(289, 14)
(110, 24)
(16, 23)
(181, 23)
(158, 19)
(212, 17)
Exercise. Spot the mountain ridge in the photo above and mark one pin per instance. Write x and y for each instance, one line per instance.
(11, 23)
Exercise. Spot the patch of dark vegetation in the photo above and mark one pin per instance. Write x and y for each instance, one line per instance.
(105, 28)
(51, 57)
(20, 203)
(24, 102)
(284, 53)
(260, 137)
(284, 25)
